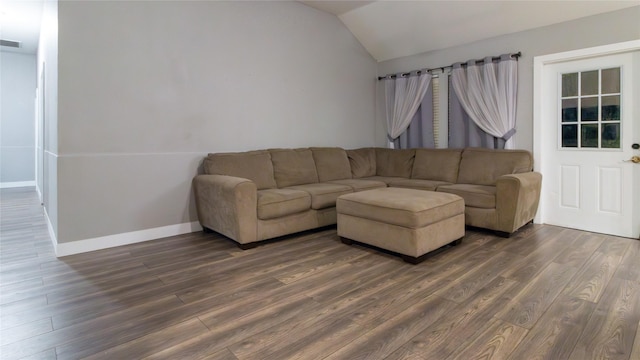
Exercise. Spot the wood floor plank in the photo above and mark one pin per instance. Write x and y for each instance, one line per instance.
(331, 334)
(343, 307)
(45, 355)
(82, 333)
(612, 327)
(580, 250)
(457, 328)
(154, 342)
(25, 331)
(592, 279)
(388, 337)
(635, 351)
(496, 342)
(23, 305)
(224, 354)
(629, 268)
(470, 283)
(223, 333)
(615, 245)
(535, 298)
(558, 331)
(536, 261)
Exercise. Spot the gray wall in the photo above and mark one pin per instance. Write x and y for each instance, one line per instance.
(17, 118)
(618, 26)
(146, 89)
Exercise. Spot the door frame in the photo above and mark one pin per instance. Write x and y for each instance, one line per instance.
(540, 69)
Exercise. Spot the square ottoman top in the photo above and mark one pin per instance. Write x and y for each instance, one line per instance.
(403, 207)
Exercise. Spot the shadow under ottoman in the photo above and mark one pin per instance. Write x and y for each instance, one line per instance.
(406, 221)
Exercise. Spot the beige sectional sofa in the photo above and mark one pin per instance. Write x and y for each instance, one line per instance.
(258, 195)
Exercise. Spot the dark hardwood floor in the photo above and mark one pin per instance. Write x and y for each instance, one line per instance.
(546, 293)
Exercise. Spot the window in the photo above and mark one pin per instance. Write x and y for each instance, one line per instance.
(590, 109)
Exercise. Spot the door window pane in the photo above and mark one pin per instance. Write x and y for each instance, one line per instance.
(611, 81)
(611, 136)
(611, 108)
(589, 138)
(569, 110)
(570, 84)
(569, 135)
(590, 112)
(589, 83)
(589, 109)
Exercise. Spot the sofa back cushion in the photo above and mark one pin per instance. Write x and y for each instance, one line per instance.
(253, 165)
(363, 162)
(436, 164)
(485, 166)
(394, 162)
(332, 163)
(293, 167)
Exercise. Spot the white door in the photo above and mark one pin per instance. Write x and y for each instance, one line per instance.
(591, 115)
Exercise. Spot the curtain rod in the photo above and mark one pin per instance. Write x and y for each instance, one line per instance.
(393, 76)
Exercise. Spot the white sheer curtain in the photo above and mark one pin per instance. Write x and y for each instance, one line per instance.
(488, 93)
(403, 96)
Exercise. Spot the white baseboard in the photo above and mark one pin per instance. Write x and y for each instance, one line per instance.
(52, 234)
(15, 184)
(105, 242)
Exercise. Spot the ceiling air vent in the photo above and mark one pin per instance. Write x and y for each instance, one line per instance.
(10, 43)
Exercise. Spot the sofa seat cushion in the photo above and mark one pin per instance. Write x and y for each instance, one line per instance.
(323, 195)
(274, 203)
(360, 184)
(479, 196)
(418, 184)
(409, 208)
(385, 179)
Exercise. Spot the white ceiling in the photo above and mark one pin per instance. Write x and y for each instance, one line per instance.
(20, 21)
(388, 29)
(392, 29)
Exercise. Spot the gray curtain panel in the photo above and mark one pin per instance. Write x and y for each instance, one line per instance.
(419, 134)
(463, 132)
(488, 93)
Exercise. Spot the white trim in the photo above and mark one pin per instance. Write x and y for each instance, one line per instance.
(539, 67)
(112, 154)
(109, 241)
(16, 184)
(52, 234)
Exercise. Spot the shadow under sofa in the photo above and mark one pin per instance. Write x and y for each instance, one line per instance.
(258, 195)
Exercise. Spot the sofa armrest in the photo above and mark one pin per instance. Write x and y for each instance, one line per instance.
(227, 205)
(517, 199)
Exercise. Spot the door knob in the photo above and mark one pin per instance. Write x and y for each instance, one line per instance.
(634, 159)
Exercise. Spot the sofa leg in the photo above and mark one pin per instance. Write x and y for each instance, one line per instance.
(346, 241)
(503, 234)
(412, 259)
(206, 230)
(457, 242)
(247, 246)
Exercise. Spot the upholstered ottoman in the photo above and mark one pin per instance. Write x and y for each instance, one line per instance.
(406, 221)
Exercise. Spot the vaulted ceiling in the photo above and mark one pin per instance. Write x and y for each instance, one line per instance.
(387, 29)
(393, 29)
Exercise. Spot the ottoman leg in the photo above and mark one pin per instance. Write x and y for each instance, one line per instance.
(346, 241)
(411, 259)
(457, 242)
